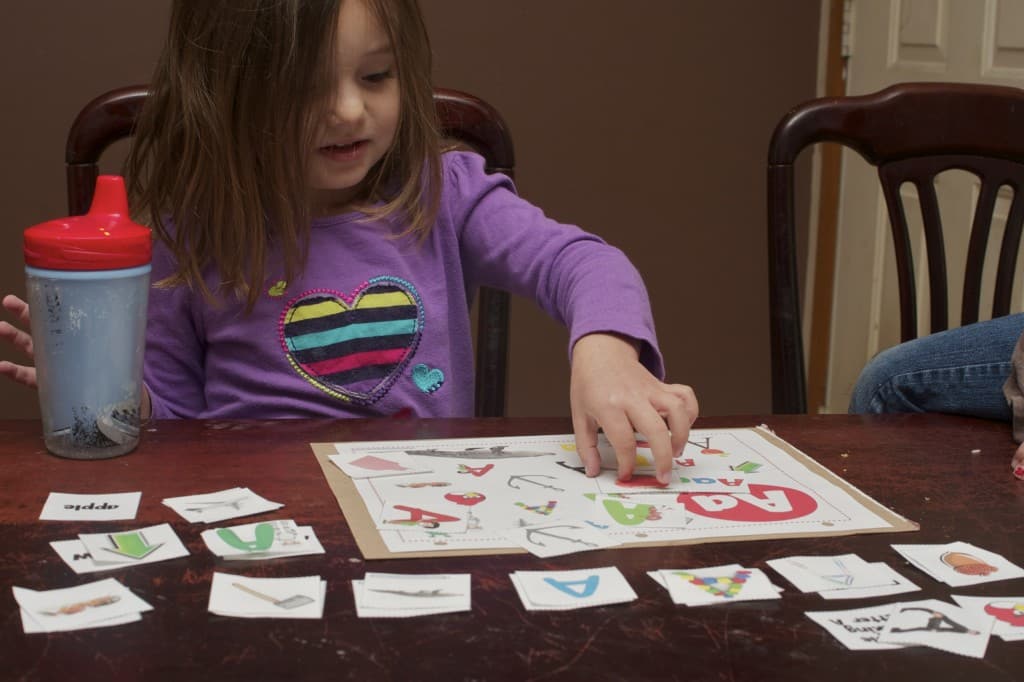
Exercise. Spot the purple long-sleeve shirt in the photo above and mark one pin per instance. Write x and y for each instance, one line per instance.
(377, 325)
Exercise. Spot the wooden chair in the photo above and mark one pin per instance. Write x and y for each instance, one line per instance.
(464, 118)
(910, 132)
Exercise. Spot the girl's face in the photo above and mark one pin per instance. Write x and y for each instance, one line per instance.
(362, 116)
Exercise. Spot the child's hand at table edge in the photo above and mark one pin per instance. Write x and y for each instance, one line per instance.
(20, 339)
(611, 389)
(1017, 463)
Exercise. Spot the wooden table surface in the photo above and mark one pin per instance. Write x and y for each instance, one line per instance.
(921, 466)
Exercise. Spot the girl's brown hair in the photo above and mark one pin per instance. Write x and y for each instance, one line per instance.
(221, 147)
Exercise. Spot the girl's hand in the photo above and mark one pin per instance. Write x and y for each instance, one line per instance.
(611, 389)
(1017, 463)
(23, 374)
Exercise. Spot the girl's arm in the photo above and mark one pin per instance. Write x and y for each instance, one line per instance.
(595, 291)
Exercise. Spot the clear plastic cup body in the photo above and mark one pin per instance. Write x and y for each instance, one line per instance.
(88, 333)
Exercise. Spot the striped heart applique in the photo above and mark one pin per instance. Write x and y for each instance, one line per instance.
(353, 347)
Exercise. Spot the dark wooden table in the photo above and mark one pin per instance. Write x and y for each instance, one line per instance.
(920, 466)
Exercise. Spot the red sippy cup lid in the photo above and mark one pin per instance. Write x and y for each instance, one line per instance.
(105, 238)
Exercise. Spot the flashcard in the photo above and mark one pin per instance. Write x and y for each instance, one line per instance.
(856, 629)
(397, 591)
(243, 597)
(960, 563)
(1008, 613)
(364, 610)
(557, 539)
(132, 547)
(373, 465)
(220, 506)
(939, 625)
(717, 585)
(565, 590)
(90, 507)
(817, 573)
(263, 540)
(80, 607)
(897, 585)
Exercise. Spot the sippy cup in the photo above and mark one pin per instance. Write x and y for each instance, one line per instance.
(87, 280)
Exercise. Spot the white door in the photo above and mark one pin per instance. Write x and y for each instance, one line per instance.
(891, 41)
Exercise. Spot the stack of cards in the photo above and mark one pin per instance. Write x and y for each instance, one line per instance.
(395, 595)
(242, 597)
(928, 622)
(566, 590)
(263, 540)
(844, 576)
(715, 585)
(93, 552)
(93, 605)
(219, 506)
(960, 563)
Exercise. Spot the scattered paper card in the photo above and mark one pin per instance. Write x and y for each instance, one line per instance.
(960, 563)
(716, 585)
(90, 507)
(373, 465)
(395, 595)
(557, 539)
(565, 590)
(220, 506)
(1008, 613)
(898, 585)
(242, 597)
(819, 573)
(856, 629)
(97, 604)
(125, 548)
(939, 625)
(263, 540)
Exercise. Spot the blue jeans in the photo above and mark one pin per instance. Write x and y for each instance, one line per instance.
(960, 371)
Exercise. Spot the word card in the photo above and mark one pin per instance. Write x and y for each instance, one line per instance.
(90, 507)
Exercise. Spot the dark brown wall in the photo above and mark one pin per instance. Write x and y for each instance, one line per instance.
(645, 122)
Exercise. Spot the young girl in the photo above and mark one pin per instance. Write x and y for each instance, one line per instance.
(317, 255)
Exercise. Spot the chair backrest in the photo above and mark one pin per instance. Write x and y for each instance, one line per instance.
(464, 118)
(910, 132)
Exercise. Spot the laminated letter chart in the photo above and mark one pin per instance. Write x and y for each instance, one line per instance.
(464, 496)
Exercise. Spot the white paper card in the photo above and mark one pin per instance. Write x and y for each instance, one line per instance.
(133, 547)
(76, 608)
(243, 597)
(939, 625)
(90, 507)
(856, 629)
(960, 563)
(562, 590)
(221, 505)
(558, 539)
(408, 591)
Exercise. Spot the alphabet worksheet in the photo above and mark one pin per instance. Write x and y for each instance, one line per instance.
(486, 495)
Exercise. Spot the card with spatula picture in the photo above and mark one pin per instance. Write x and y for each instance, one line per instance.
(243, 597)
